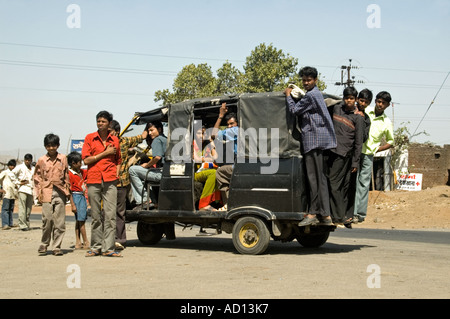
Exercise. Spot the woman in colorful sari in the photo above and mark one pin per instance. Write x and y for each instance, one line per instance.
(204, 156)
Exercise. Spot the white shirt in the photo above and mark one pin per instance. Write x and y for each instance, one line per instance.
(23, 173)
(6, 178)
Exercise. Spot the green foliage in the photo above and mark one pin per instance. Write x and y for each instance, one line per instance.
(267, 69)
(229, 79)
(402, 141)
(191, 82)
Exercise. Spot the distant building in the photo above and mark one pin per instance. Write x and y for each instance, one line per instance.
(431, 161)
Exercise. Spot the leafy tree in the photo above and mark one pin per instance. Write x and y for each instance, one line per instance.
(193, 81)
(229, 79)
(267, 69)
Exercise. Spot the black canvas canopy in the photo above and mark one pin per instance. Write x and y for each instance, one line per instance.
(267, 128)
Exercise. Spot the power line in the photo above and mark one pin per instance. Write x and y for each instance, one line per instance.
(195, 58)
(426, 120)
(85, 67)
(404, 70)
(117, 52)
(400, 85)
(432, 102)
(73, 91)
(350, 81)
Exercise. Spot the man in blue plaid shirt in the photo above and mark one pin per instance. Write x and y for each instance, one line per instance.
(318, 135)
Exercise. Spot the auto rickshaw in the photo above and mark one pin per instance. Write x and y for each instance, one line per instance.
(268, 193)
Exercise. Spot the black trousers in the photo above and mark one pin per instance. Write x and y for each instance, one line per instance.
(339, 177)
(318, 183)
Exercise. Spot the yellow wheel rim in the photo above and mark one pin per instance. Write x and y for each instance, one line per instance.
(249, 235)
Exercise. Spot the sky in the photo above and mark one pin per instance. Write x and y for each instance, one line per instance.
(61, 64)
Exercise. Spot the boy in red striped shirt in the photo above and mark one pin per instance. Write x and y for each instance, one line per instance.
(78, 189)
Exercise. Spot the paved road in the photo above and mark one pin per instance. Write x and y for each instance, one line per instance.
(357, 263)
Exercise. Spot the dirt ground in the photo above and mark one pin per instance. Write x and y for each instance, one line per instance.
(426, 209)
(209, 267)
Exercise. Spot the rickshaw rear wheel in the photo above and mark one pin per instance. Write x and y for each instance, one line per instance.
(149, 234)
(313, 240)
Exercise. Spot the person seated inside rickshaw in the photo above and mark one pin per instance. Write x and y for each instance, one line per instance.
(150, 171)
(204, 156)
(226, 136)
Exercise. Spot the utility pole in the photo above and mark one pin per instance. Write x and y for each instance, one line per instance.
(393, 118)
(350, 79)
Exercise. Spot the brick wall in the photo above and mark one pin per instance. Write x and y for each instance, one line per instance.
(431, 161)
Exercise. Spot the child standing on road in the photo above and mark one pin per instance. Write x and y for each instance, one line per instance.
(51, 180)
(77, 177)
(10, 194)
(23, 179)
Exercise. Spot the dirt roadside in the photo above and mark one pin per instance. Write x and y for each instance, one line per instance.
(208, 267)
(427, 209)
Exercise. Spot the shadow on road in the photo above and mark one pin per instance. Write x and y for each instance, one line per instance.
(226, 245)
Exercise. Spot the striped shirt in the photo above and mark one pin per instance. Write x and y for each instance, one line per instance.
(125, 144)
(315, 122)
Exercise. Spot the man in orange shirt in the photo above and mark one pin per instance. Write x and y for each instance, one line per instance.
(101, 153)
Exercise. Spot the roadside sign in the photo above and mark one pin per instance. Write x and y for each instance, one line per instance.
(76, 145)
(410, 182)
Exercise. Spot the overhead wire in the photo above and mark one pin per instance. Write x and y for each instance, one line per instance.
(193, 57)
(432, 102)
(116, 52)
(172, 73)
(73, 91)
(85, 67)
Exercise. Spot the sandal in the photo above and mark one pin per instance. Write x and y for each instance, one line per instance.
(348, 223)
(112, 254)
(92, 253)
(57, 252)
(42, 250)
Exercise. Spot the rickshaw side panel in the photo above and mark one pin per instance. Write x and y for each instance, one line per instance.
(176, 191)
(283, 191)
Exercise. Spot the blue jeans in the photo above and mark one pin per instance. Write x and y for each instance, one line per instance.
(138, 176)
(7, 211)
